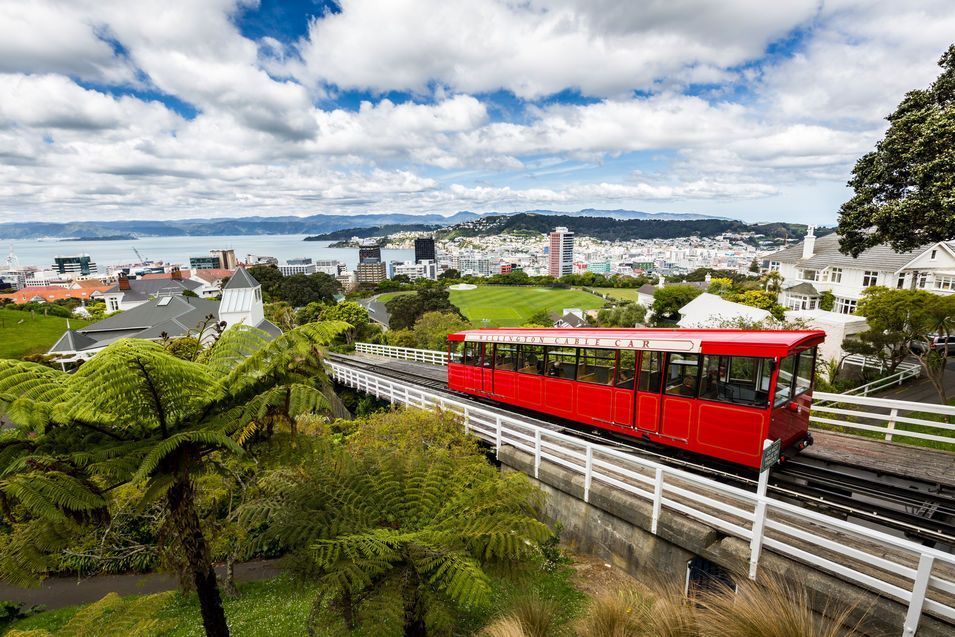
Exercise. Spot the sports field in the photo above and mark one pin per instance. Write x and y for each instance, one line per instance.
(510, 306)
(624, 294)
(23, 333)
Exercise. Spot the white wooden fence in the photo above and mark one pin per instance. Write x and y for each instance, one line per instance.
(905, 371)
(429, 356)
(881, 415)
(917, 576)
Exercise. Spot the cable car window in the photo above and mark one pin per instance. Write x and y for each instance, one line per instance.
(741, 380)
(626, 368)
(531, 360)
(784, 384)
(472, 354)
(804, 371)
(561, 362)
(650, 366)
(505, 357)
(682, 374)
(596, 366)
(456, 350)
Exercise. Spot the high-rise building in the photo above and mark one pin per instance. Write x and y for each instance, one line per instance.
(79, 265)
(227, 258)
(424, 250)
(369, 253)
(217, 260)
(560, 258)
(371, 273)
(204, 263)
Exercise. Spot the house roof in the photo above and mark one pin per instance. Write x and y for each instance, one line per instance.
(211, 275)
(647, 288)
(710, 307)
(241, 279)
(826, 255)
(72, 341)
(47, 293)
(185, 274)
(573, 320)
(140, 289)
(807, 289)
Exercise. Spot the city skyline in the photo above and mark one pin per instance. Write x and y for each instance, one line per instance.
(177, 110)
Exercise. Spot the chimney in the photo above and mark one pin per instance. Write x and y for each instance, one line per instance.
(123, 282)
(809, 243)
(176, 273)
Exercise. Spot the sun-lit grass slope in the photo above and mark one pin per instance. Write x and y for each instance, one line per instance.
(22, 333)
(509, 306)
(624, 294)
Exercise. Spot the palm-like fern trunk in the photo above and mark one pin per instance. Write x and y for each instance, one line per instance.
(185, 521)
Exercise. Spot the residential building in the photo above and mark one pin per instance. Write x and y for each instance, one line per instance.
(369, 253)
(347, 280)
(205, 263)
(297, 266)
(471, 264)
(371, 273)
(129, 293)
(331, 267)
(257, 259)
(48, 294)
(571, 317)
(211, 281)
(815, 265)
(170, 316)
(227, 260)
(560, 259)
(424, 250)
(425, 269)
(74, 266)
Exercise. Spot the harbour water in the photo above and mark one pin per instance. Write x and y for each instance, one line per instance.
(177, 250)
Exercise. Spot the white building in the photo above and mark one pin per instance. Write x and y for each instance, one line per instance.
(424, 269)
(710, 310)
(815, 265)
(291, 268)
(331, 267)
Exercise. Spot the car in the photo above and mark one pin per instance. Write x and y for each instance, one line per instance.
(934, 342)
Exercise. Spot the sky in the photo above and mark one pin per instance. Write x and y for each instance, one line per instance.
(162, 109)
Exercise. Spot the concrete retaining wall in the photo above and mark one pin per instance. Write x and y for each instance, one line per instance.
(615, 526)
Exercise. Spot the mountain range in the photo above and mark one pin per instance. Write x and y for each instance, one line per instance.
(314, 224)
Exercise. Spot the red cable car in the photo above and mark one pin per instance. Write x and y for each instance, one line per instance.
(718, 393)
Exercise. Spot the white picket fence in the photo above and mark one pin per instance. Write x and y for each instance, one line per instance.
(429, 356)
(905, 371)
(881, 415)
(917, 576)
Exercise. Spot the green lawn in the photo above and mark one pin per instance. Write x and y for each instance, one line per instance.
(387, 296)
(624, 294)
(22, 334)
(509, 306)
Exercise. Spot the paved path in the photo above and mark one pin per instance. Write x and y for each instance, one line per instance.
(921, 390)
(376, 310)
(57, 592)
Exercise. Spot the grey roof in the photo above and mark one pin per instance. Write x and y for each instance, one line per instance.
(573, 320)
(647, 288)
(72, 341)
(826, 255)
(807, 289)
(142, 289)
(269, 328)
(241, 279)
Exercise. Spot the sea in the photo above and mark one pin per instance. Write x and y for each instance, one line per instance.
(177, 250)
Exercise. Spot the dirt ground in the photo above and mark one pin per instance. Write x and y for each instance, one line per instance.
(595, 577)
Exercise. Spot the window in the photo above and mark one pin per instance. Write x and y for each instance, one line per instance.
(741, 380)
(795, 375)
(456, 350)
(870, 278)
(532, 359)
(810, 275)
(596, 366)
(901, 283)
(505, 357)
(944, 282)
(683, 374)
(626, 369)
(113, 304)
(561, 362)
(923, 277)
(800, 302)
(774, 266)
(845, 306)
(472, 354)
(784, 385)
(934, 254)
(805, 371)
(835, 275)
(650, 365)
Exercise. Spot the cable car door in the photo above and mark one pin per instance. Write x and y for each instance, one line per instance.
(648, 391)
(679, 395)
(624, 390)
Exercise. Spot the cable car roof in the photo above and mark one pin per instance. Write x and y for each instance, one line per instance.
(716, 341)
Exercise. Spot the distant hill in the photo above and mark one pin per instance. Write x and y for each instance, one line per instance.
(318, 224)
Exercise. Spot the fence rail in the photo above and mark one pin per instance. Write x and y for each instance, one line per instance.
(919, 577)
(881, 415)
(429, 356)
(906, 371)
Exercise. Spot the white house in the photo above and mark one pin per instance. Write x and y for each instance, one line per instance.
(815, 265)
(710, 310)
(837, 327)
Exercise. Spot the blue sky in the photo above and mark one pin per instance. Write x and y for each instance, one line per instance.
(176, 109)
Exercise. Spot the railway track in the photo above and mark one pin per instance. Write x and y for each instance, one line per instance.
(920, 511)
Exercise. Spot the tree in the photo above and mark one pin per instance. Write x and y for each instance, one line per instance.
(268, 276)
(827, 300)
(930, 315)
(540, 318)
(450, 273)
(905, 188)
(886, 312)
(754, 266)
(432, 329)
(309, 313)
(668, 300)
(281, 314)
(760, 299)
(399, 539)
(405, 310)
(629, 315)
(349, 312)
(136, 415)
(299, 290)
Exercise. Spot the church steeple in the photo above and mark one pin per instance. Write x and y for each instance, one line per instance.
(241, 300)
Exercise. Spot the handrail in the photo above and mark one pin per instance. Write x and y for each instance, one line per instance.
(430, 356)
(692, 495)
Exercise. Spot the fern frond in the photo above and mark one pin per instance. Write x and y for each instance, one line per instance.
(205, 438)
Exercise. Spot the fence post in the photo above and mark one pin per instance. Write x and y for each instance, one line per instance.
(497, 451)
(588, 472)
(467, 421)
(919, 588)
(759, 523)
(657, 499)
(891, 425)
(537, 453)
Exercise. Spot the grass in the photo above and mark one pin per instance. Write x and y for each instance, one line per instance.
(623, 294)
(22, 333)
(387, 296)
(511, 306)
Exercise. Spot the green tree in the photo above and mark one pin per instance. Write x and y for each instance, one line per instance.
(268, 277)
(399, 543)
(629, 315)
(280, 314)
(136, 415)
(540, 318)
(905, 188)
(299, 290)
(450, 273)
(886, 312)
(760, 299)
(349, 312)
(432, 329)
(930, 315)
(310, 313)
(827, 300)
(668, 300)
(405, 310)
